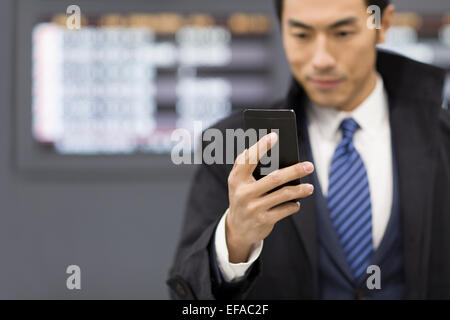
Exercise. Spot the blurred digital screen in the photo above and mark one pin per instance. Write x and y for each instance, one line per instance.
(123, 83)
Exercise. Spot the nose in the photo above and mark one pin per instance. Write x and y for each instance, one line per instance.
(322, 59)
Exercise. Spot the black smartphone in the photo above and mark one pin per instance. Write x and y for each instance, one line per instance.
(282, 121)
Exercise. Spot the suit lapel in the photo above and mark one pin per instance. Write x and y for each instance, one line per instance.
(305, 220)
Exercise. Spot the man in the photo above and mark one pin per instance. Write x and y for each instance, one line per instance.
(375, 171)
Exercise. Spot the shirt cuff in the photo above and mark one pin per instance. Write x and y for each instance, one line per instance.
(232, 272)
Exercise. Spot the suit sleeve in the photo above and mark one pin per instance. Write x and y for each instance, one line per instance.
(194, 272)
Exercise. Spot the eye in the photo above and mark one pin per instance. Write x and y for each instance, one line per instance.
(343, 34)
(301, 35)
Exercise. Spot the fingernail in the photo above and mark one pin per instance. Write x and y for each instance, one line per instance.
(310, 188)
(308, 167)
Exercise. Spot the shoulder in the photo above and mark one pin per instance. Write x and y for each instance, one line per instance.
(214, 138)
(408, 78)
(233, 121)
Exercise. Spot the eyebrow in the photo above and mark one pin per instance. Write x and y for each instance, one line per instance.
(334, 25)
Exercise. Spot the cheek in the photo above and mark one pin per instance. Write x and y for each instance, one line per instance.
(295, 54)
(359, 60)
(291, 53)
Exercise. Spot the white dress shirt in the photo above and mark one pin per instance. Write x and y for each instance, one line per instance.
(372, 141)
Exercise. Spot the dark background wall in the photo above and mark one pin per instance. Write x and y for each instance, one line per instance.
(121, 230)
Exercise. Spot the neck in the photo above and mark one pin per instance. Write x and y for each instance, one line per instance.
(363, 94)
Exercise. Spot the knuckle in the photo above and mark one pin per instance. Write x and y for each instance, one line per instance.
(291, 208)
(299, 170)
(302, 190)
(245, 192)
(231, 179)
(287, 192)
(242, 194)
(306, 190)
(275, 179)
(262, 219)
(252, 207)
(238, 197)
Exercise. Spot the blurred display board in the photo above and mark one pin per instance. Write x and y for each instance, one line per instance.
(123, 83)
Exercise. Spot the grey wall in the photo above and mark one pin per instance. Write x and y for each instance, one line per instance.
(121, 229)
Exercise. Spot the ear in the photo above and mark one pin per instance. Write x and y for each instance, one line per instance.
(386, 22)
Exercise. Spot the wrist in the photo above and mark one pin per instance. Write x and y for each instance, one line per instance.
(238, 248)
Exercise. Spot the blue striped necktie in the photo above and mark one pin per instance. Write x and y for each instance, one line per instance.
(349, 201)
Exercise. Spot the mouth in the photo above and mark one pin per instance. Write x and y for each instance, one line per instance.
(325, 83)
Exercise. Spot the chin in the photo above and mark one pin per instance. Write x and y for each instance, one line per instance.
(328, 105)
(327, 102)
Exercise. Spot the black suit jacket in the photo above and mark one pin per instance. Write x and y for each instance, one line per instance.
(288, 265)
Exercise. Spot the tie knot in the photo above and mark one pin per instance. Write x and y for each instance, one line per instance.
(349, 127)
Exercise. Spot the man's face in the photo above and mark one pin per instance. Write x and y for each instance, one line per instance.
(331, 50)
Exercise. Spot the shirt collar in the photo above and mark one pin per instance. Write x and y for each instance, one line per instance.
(370, 114)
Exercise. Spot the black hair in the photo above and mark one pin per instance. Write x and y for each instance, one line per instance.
(380, 3)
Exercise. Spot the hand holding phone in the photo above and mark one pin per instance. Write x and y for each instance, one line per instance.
(256, 205)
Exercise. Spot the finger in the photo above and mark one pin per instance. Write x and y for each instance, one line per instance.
(281, 176)
(285, 194)
(247, 161)
(283, 211)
